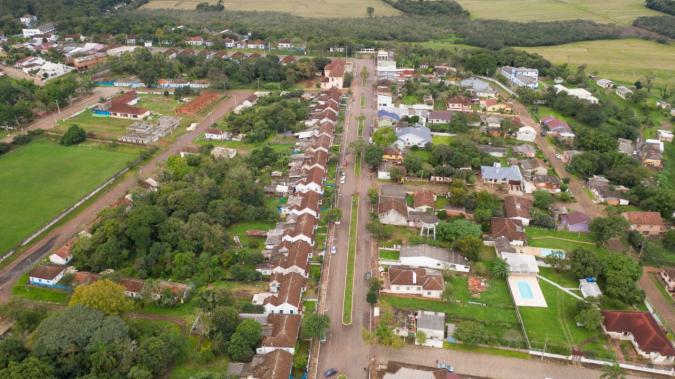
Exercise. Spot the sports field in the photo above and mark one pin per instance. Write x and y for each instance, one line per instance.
(622, 60)
(621, 12)
(303, 8)
(43, 178)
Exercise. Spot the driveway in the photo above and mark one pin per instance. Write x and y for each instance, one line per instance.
(59, 235)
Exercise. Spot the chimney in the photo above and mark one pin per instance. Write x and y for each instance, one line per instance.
(414, 277)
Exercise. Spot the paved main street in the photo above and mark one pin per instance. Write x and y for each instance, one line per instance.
(59, 235)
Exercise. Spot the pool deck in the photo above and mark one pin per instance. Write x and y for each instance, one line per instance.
(537, 299)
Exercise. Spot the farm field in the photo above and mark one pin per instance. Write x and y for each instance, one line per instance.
(43, 178)
(621, 12)
(624, 60)
(303, 8)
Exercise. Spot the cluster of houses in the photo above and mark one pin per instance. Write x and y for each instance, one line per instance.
(42, 69)
(121, 106)
(289, 246)
(649, 151)
(50, 276)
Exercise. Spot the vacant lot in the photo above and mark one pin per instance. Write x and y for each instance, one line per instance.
(165, 105)
(43, 178)
(617, 11)
(624, 60)
(304, 8)
(100, 127)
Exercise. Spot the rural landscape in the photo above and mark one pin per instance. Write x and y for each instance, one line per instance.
(337, 189)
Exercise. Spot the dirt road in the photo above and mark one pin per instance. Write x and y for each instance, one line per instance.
(583, 202)
(59, 235)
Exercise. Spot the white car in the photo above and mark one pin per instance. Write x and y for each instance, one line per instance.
(342, 179)
(333, 250)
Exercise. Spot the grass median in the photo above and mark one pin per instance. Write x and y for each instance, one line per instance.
(351, 258)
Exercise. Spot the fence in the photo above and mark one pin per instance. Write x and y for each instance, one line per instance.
(68, 210)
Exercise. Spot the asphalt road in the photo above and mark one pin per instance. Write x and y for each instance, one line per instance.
(59, 235)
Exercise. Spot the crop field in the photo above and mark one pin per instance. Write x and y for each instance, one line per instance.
(303, 8)
(43, 178)
(621, 12)
(624, 60)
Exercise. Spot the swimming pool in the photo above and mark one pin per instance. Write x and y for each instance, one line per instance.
(525, 290)
(546, 252)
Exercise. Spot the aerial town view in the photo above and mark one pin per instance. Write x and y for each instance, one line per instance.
(345, 189)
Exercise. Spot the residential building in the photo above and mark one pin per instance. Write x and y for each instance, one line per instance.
(275, 365)
(49, 27)
(642, 330)
(526, 133)
(28, 20)
(651, 154)
(428, 256)
(284, 334)
(494, 105)
(605, 83)
(665, 135)
(579, 93)
(289, 298)
(256, 44)
(459, 104)
(623, 92)
(402, 370)
(411, 136)
(424, 200)
(478, 87)
(668, 277)
(546, 182)
(432, 324)
(575, 222)
(392, 154)
(525, 150)
(518, 208)
(223, 152)
(646, 223)
(288, 59)
(493, 151)
(63, 255)
(422, 282)
(46, 275)
(521, 76)
(606, 193)
(589, 288)
(333, 74)
(626, 146)
(303, 230)
(508, 228)
(214, 134)
(439, 117)
(194, 41)
(558, 128)
(285, 43)
(393, 211)
(506, 176)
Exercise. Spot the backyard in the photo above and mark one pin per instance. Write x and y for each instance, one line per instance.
(43, 178)
(563, 240)
(554, 327)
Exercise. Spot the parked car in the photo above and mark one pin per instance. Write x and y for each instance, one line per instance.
(446, 366)
(333, 250)
(330, 372)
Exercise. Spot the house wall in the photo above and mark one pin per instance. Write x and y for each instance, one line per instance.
(286, 271)
(432, 263)
(414, 290)
(269, 349)
(436, 334)
(46, 282)
(649, 230)
(285, 309)
(57, 260)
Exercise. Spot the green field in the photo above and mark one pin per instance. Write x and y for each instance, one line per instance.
(303, 8)
(555, 326)
(351, 259)
(441, 140)
(165, 105)
(101, 127)
(621, 12)
(624, 60)
(43, 178)
(559, 239)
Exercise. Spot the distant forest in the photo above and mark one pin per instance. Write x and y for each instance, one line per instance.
(665, 6)
(664, 25)
(428, 7)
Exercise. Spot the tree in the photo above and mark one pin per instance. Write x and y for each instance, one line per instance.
(542, 199)
(373, 155)
(448, 294)
(332, 215)
(239, 349)
(396, 174)
(471, 332)
(605, 228)
(11, 350)
(370, 11)
(613, 371)
(30, 368)
(384, 137)
(420, 337)
(556, 260)
(224, 321)
(73, 136)
(374, 286)
(315, 325)
(584, 263)
(457, 229)
(469, 246)
(499, 269)
(103, 295)
(588, 316)
(482, 63)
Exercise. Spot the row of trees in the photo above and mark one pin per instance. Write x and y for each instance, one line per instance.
(659, 24)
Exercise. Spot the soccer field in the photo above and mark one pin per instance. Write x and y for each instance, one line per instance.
(303, 8)
(621, 12)
(624, 59)
(43, 178)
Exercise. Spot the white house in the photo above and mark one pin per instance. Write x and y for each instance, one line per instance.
(526, 133)
(432, 324)
(605, 83)
(521, 76)
(623, 92)
(284, 334)
(418, 136)
(214, 134)
(47, 275)
(579, 93)
(63, 255)
(589, 288)
(285, 44)
(422, 282)
(665, 135)
(432, 257)
(28, 20)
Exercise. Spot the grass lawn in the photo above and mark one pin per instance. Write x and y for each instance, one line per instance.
(389, 255)
(555, 326)
(357, 164)
(564, 240)
(43, 178)
(165, 105)
(245, 148)
(667, 175)
(624, 60)
(101, 127)
(441, 140)
(423, 154)
(189, 366)
(486, 350)
(25, 290)
(351, 258)
(310, 307)
(565, 279)
(621, 12)
(302, 8)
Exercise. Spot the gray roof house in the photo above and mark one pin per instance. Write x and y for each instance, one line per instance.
(479, 87)
(432, 257)
(411, 136)
(433, 325)
(497, 175)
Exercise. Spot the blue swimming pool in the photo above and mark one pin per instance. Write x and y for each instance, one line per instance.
(547, 252)
(525, 290)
